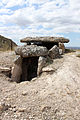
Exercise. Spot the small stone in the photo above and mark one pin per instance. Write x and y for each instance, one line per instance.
(47, 69)
(14, 109)
(10, 109)
(45, 108)
(5, 70)
(24, 93)
(21, 109)
(34, 79)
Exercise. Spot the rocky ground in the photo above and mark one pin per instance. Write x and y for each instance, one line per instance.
(52, 96)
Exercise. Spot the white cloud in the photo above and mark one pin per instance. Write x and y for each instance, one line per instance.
(12, 3)
(5, 11)
(75, 4)
(54, 16)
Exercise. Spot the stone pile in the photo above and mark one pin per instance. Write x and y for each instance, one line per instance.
(32, 58)
(28, 52)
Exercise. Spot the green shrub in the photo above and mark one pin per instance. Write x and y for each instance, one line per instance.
(69, 50)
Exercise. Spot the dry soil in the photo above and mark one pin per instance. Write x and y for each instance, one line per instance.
(52, 96)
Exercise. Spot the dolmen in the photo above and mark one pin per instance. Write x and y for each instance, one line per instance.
(32, 56)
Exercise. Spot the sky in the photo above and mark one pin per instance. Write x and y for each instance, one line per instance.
(24, 18)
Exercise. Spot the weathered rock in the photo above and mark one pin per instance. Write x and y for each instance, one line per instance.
(18, 60)
(45, 39)
(16, 73)
(5, 70)
(47, 69)
(21, 109)
(54, 52)
(6, 44)
(41, 64)
(24, 93)
(61, 46)
(17, 70)
(60, 51)
(31, 51)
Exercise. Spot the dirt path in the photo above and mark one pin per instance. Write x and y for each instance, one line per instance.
(53, 96)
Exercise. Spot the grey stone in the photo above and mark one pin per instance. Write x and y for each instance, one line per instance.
(54, 52)
(62, 46)
(18, 60)
(17, 69)
(47, 69)
(60, 51)
(5, 70)
(41, 64)
(16, 73)
(31, 51)
(45, 39)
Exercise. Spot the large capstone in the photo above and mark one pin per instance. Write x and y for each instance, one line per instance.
(45, 39)
(31, 51)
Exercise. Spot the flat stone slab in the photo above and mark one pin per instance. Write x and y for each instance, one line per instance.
(6, 71)
(45, 39)
(47, 69)
(31, 51)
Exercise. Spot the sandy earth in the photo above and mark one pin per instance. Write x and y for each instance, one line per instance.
(52, 96)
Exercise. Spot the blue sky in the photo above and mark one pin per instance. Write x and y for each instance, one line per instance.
(22, 18)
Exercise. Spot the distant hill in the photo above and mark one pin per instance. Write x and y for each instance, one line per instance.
(75, 48)
(6, 44)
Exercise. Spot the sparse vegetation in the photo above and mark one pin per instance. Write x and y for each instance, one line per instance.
(69, 50)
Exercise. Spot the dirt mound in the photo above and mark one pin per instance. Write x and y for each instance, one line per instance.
(52, 96)
(6, 44)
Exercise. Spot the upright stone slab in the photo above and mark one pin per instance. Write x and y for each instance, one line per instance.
(17, 70)
(54, 52)
(41, 63)
(61, 46)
